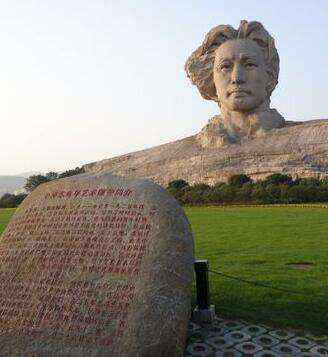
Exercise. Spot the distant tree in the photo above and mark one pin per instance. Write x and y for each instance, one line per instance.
(297, 194)
(227, 194)
(275, 189)
(239, 180)
(178, 184)
(7, 201)
(324, 181)
(273, 194)
(278, 179)
(200, 187)
(218, 185)
(73, 172)
(244, 193)
(258, 195)
(20, 198)
(178, 188)
(193, 197)
(323, 193)
(307, 181)
(51, 175)
(34, 181)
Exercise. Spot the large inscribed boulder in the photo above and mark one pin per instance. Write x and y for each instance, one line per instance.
(94, 265)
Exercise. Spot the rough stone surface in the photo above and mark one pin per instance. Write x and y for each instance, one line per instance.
(93, 265)
(300, 149)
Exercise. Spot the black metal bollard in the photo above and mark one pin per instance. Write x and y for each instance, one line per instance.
(202, 284)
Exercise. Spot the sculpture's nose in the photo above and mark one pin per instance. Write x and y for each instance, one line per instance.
(238, 74)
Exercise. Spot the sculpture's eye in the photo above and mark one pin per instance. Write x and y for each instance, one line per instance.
(250, 65)
(225, 66)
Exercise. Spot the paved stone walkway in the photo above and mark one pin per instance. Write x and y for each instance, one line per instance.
(238, 338)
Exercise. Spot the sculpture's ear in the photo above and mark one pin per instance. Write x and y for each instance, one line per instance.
(269, 88)
(272, 83)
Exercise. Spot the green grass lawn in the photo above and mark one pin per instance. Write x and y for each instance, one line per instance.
(258, 243)
(5, 215)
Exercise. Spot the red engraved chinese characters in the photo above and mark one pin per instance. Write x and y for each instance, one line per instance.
(79, 264)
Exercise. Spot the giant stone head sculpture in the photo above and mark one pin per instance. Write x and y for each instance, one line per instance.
(238, 69)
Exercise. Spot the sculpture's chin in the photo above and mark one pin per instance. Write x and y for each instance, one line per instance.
(244, 105)
(241, 107)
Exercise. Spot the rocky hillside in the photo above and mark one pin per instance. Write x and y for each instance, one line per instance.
(300, 149)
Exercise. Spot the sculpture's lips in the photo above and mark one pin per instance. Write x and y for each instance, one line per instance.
(239, 92)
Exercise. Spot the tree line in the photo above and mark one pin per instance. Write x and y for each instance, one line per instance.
(9, 200)
(241, 189)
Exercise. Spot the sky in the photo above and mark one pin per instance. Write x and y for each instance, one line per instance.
(83, 80)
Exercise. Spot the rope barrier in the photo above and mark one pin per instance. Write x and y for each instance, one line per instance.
(256, 283)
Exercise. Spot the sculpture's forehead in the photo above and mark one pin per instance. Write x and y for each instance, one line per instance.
(239, 48)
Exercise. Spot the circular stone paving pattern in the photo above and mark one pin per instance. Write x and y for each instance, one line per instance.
(228, 338)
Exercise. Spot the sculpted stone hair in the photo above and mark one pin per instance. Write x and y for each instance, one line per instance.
(200, 64)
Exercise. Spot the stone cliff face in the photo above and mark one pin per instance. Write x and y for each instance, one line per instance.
(299, 149)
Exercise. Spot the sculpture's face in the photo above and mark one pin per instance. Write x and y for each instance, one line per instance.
(240, 75)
